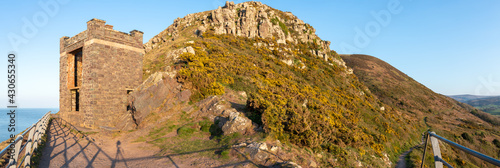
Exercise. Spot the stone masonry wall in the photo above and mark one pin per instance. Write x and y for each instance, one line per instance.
(111, 65)
(104, 95)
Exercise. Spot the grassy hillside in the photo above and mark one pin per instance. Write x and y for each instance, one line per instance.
(321, 107)
(449, 118)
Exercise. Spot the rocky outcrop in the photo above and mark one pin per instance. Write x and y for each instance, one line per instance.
(258, 151)
(248, 19)
(167, 93)
(286, 165)
(172, 56)
(236, 122)
(229, 120)
(266, 154)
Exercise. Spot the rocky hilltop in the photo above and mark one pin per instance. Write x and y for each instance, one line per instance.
(249, 19)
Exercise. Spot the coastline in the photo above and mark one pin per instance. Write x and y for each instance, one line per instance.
(25, 117)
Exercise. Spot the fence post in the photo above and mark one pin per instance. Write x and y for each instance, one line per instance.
(46, 122)
(37, 135)
(14, 158)
(436, 151)
(425, 149)
(28, 151)
(43, 124)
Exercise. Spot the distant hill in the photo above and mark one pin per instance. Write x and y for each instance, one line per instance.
(441, 114)
(467, 97)
(489, 104)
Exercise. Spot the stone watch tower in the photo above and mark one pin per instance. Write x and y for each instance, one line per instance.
(99, 67)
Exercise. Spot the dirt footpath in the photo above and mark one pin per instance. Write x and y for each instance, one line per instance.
(65, 148)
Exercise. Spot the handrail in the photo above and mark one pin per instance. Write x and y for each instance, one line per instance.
(4, 151)
(465, 149)
(36, 131)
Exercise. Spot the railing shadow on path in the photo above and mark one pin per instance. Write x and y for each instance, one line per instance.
(60, 134)
(63, 136)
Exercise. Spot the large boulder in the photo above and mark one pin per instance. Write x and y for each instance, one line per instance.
(237, 122)
(286, 165)
(229, 119)
(257, 151)
(160, 92)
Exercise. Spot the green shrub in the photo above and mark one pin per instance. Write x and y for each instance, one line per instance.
(496, 142)
(185, 131)
(215, 130)
(284, 28)
(274, 21)
(205, 125)
(225, 154)
(467, 137)
(334, 149)
(227, 140)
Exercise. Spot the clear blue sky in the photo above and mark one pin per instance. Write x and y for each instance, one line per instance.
(452, 47)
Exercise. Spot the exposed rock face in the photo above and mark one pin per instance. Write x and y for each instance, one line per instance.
(166, 90)
(258, 151)
(288, 62)
(173, 56)
(220, 111)
(386, 160)
(127, 121)
(286, 165)
(237, 122)
(248, 19)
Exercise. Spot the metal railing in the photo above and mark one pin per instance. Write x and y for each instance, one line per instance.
(438, 160)
(35, 133)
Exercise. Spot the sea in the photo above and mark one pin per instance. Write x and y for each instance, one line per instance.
(25, 117)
